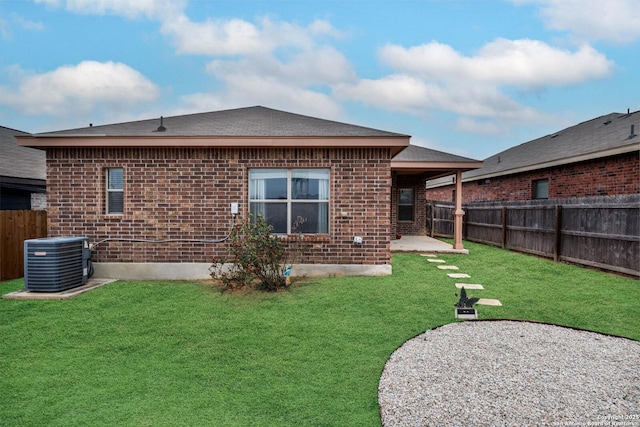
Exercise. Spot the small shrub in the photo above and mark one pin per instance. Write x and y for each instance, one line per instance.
(257, 257)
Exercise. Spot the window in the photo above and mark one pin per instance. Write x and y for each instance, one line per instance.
(405, 204)
(115, 191)
(541, 189)
(291, 200)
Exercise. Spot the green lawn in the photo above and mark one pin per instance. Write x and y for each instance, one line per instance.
(182, 353)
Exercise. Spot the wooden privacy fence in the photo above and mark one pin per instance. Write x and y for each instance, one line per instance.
(15, 228)
(593, 233)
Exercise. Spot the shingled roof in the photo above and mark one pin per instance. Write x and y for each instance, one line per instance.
(607, 135)
(242, 122)
(415, 153)
(20, 162)
(429, 164)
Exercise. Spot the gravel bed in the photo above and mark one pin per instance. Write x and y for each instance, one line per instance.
(511, 373)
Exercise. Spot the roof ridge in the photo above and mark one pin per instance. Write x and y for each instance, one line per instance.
(14, 130)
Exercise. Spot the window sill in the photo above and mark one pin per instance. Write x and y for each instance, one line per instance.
(113, 216)
(305, 237)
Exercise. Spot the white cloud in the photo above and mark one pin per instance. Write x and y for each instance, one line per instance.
(244, 90)
(15, 19)
(528, 64)
(322, 66)
(435, 76)
(616, 21)
(480, 127)
(239, 37)
(414, 95)
(78, 89)
(126, 8)
(4, 29)
(27, 24)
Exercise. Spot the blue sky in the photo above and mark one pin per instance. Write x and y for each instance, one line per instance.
(467, 77)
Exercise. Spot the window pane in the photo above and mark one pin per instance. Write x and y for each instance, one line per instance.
(310, 184)
(275, 214)
(268, 184)
(115, 179)
(405, 196)
(309, 217)
(116, 202)
(405, 213)
(541, 189)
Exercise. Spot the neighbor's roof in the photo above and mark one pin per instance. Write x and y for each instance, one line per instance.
(251, 126)
(20, 162)
(604, 136)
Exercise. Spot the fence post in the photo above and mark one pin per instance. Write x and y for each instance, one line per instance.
(557, 234)
(504, 227)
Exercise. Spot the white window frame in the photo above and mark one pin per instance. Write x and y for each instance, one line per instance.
(322, 199)
(109, 190)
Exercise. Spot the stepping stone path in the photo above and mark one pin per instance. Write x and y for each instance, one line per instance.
(459, 276)
(469, 286)
(485, 301)
(481, 301)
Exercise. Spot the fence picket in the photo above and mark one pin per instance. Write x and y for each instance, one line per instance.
(604, 233)
(15, 228)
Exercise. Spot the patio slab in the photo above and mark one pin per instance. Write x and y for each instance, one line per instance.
(66, 294)
(412, 244)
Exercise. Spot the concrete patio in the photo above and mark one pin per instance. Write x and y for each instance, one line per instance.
(424, 244)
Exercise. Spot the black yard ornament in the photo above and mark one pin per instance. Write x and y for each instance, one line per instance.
(464, 306)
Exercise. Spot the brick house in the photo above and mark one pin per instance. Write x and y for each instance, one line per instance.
(599, 157)
(22, 173)
(157, 197)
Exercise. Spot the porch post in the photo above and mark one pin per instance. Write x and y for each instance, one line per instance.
(458, 214)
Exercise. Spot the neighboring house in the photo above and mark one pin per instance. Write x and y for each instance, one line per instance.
(599, 157)
(22, 173)
(156, 197)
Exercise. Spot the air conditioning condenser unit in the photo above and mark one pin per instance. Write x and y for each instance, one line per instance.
(54, 264)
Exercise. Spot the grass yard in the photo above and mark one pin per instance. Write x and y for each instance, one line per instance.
(182, 353)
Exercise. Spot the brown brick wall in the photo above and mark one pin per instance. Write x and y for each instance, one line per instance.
(185, 193)
(617, 175)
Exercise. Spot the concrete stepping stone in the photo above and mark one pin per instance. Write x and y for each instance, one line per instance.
(485, 301)
(469, 286)
(458, 275)
(435, 260)
(428, 255)
(448, 267)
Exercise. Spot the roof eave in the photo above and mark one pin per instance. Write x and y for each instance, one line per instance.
(421, 166)
(395, 143)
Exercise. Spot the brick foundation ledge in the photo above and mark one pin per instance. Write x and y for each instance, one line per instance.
(200, 270)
